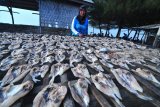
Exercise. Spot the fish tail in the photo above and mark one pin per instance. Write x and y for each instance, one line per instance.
(144, 97)
(119, 103)
(157, 84)
(52, 80)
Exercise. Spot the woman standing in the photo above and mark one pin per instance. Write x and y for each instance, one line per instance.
(79, 25)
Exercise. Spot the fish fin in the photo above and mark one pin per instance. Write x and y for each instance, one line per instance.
(36, 80)
(71, 64)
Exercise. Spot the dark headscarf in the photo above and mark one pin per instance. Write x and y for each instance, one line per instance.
(80, 18)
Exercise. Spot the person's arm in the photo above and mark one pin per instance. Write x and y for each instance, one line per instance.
(72, 26)
(86, 24)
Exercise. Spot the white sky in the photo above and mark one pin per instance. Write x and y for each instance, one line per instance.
(26, 17)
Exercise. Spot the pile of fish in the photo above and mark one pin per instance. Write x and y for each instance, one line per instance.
(49, 56)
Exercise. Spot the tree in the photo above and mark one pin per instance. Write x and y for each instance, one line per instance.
(126, 13)
(8, 4)
(96, 13)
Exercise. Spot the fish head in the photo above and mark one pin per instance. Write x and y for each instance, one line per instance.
(83, 83)
(27, 86)
(83, 69)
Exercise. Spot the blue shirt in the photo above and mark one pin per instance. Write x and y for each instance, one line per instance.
(78, 28)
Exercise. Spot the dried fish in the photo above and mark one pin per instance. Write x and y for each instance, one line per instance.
(96, 66)
(57, 69)
(50, 96)
(79, 92)
(145, 73)
(80, 71)
(11, 93)
(75, 58)
(127, 80)
(106, 85)
(14, 74)
(36, 71)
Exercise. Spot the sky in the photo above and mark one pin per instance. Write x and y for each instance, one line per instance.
(27, 17)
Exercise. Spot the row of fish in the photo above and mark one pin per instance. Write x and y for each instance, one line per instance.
(54, 55)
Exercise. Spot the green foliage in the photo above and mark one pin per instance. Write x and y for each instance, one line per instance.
(126, 13)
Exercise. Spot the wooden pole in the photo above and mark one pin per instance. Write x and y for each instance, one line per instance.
(156, 38)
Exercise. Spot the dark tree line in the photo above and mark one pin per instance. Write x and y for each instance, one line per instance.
(124, 13)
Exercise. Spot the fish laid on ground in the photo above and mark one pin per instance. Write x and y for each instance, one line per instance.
(4, 52)
(14, 74)
(75, 58)
(18, 51)
(50, 96)
(145, 73)
(57, 69)
(6, 63)
(120, 63)
(102, 55)
(105, 63)
(127, 80)
(96, 66)
(47, 59)
(11, 93)
(79, 91)
(59, 57)
(90, 57)
(36, 71)
(80, 71)
(105, 84)
(34, 60)
(152, 67)
(14, 46)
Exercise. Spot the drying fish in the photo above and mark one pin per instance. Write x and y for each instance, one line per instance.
(90, 57)
(105, 63)
(75, 58)
(127, 80)
(96, 66)
(50, 96)
(27, 46)
(103, 50)
(105, 84)
(120, 63)
(4, 52)
(47, 59)
(11, 93)
(64, 46)
(145, 73)
(35, 59)
(60, 57)
(36, 71)
(57, 69)
(14, 74)
(68, 102)
(18, 51)
(6, 63)
(89, 51)
(102, 55)
(80, 71)
(6, 42)
(156, 69)
(14, 46)
(79, 92)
